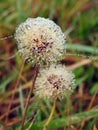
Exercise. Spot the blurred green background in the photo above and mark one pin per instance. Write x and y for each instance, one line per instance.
(79, 21)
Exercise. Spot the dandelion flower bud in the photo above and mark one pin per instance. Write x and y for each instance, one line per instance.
(55, 82)
(40, 41)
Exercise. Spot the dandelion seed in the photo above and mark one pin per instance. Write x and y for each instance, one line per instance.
(54, 82)
(40, 41)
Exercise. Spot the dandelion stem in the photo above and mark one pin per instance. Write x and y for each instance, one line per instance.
(36, 69)
(50, 116)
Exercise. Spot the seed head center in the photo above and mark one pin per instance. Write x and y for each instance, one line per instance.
(55, 81)
(40, 45)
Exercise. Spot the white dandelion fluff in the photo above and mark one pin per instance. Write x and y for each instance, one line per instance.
(40, 41)
(53, 82)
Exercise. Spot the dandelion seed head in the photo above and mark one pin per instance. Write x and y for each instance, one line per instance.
(54, 82)
(40, 41)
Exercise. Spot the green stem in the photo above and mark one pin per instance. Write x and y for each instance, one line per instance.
(50, 116)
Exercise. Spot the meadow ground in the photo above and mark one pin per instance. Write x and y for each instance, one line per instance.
(79, 20)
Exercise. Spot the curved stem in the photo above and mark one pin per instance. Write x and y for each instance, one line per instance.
(50, 116)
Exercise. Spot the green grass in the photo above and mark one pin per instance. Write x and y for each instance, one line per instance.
(82, 17)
